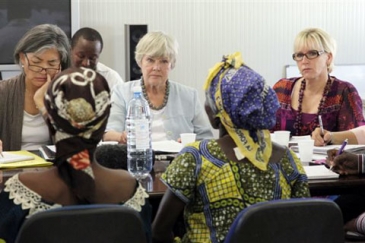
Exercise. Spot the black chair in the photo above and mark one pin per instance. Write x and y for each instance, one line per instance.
(293, 220)
(84, 223)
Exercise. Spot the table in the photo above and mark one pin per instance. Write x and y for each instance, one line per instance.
(343, 185)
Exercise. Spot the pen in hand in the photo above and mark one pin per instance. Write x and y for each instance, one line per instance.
(341, 149)
(321, 125)
(342, 146)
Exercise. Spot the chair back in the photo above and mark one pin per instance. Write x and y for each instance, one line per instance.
(84, 223)
(307, 220)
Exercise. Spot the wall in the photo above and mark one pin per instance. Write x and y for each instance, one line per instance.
(262, 30)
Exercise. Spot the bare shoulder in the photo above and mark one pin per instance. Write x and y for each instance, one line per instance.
(45, 182)
(119, 185)
(35, 178)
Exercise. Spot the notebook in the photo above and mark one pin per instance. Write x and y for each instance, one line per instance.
(47, 152)
(9, 157)
(319, 172)
(20, 159)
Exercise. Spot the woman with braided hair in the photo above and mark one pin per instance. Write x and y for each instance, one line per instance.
(77, 109)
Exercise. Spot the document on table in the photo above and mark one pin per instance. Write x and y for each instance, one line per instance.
(319, 172)
(168, 146)
(20, 159)
(324, 149)
(9, 157)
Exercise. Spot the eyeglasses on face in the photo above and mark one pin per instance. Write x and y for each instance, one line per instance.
(309, 55)
(39, 69)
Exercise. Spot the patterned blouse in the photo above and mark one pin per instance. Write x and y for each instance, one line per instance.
(216, 189)
(342, 108)
(17, 202)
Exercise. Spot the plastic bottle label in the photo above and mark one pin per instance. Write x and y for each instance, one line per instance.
(142, 133)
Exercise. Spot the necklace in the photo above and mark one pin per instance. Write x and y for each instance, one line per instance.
(165, 98)
(298, 120)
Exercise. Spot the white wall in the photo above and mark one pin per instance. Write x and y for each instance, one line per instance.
(262, 30)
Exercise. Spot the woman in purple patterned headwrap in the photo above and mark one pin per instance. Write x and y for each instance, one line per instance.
(213, 180)
(77, 104)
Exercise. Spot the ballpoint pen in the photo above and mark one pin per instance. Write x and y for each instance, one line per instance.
(341, 149)
(321, 124)
(342, 146)
(1, 155)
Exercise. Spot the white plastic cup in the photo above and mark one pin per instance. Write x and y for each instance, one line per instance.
(272, 136)
(282, 137)
(187, 138)
(306, 150)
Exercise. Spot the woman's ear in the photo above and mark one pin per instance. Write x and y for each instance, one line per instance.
(329, 59)
(22, 59)
(217, 122)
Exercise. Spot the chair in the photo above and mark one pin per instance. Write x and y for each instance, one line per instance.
(293, 220)
(84, 223)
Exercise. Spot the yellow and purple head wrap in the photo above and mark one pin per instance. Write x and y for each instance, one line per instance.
(246, 106)
(78, 106)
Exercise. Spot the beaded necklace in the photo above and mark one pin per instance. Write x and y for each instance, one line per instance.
(298, 120)
(165, 98)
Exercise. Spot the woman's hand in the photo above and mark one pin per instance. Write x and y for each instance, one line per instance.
(351, 225)
(120, 137)
(39, 95)
(344, 164)
(123, 138)
(319, 139)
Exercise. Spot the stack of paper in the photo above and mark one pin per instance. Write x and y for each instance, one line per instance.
(319, 172)
(168, 146)
(324, 149)
(20, 159)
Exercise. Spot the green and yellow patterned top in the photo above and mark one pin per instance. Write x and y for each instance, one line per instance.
(216, 189)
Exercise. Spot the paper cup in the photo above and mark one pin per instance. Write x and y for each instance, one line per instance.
(272, 136)
(282, 137)
(306, 150)
(187, 138)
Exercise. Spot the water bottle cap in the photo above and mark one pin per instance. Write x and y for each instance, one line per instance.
(137, 89)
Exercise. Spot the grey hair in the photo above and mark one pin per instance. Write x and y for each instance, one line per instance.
(43, 37)
(157, 44)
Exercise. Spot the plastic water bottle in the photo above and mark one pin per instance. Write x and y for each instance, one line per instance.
(138, 124)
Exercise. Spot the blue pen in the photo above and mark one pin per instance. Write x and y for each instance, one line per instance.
(342, 147)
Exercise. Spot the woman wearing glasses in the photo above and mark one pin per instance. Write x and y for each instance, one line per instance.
(41, 53)
(316, 93)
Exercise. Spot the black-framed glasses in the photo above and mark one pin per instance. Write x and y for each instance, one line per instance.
(39, 69)
(309, 55)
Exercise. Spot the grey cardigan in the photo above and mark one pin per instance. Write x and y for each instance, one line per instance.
(183, 111)
(12, 112)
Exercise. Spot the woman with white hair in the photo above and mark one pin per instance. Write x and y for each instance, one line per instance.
(175, 107)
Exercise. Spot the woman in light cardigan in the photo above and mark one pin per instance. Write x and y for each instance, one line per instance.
(41, 53)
